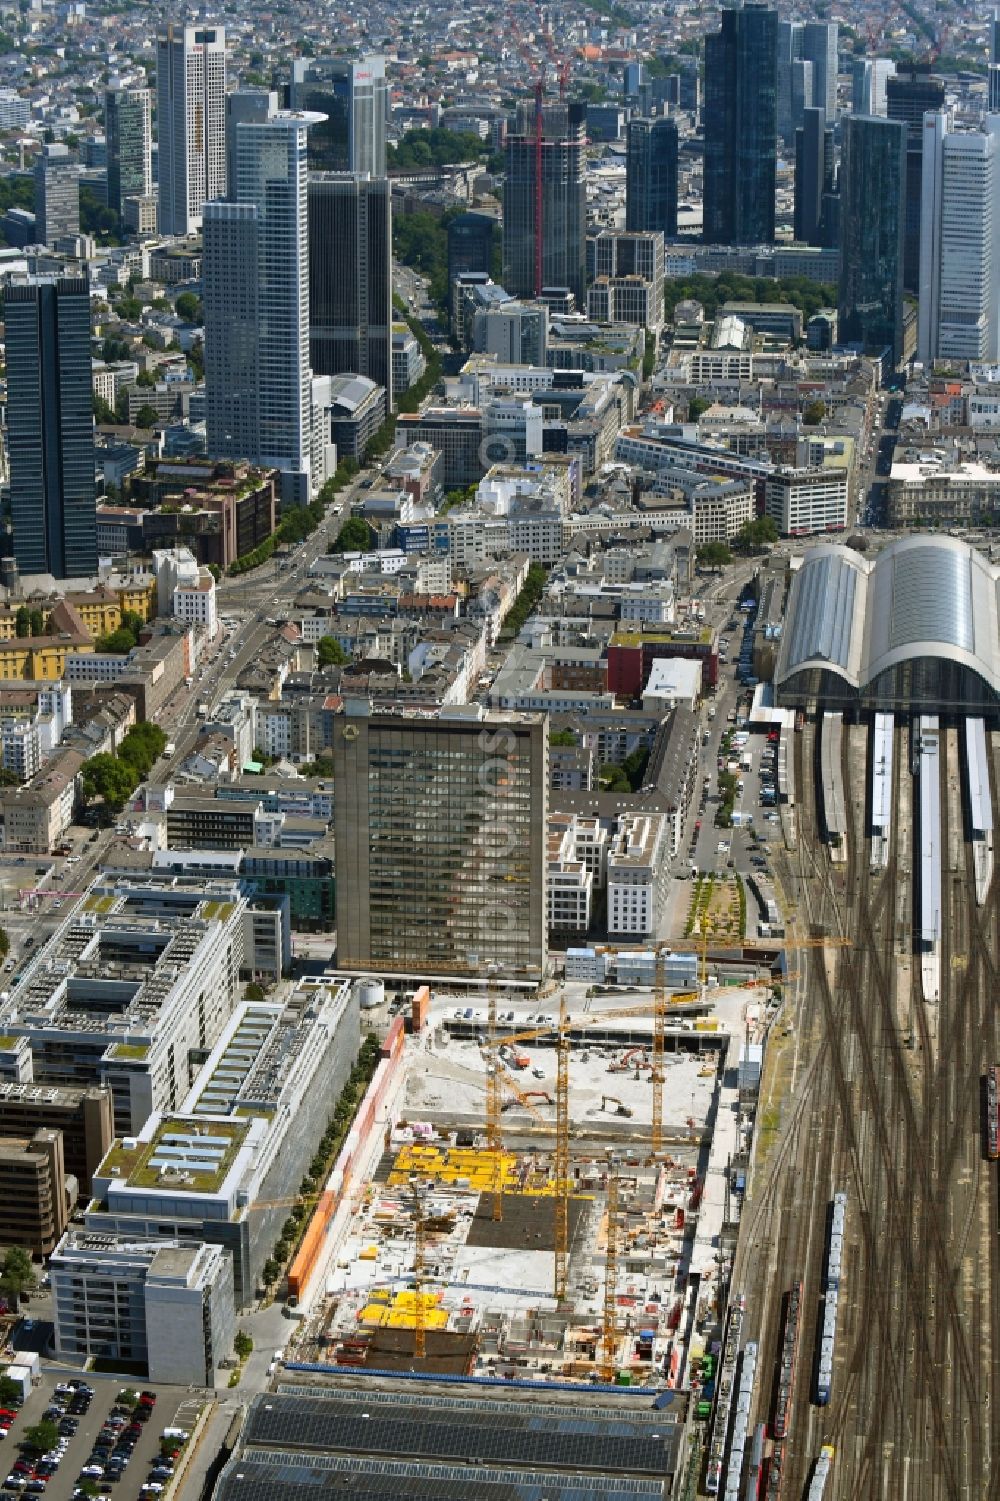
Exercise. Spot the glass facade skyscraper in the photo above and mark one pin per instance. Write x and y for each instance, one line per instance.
(352, 94)
(350, 276)
(440, 823)
(741, 128)
(909, 96)
(258, 382)
(872, 181)
(651, 176)
(564, 203)
(129, 132)
(50, 425)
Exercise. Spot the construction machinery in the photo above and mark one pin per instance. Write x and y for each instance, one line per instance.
(614, 1100)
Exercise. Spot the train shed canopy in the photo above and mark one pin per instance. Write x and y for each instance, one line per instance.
(914, 627)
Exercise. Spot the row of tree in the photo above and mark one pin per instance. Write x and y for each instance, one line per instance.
(114, 778)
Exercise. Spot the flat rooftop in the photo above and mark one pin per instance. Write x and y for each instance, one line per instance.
(390, 1444)
(179, 1155)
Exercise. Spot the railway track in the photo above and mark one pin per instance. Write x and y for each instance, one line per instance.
(887, 1108)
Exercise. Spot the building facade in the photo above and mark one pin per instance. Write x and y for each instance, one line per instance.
(562, 261)
(959, 304)
(258, 380)
(909, 96)
(651, 176)
(190, 123)
(802, 501)
(50, 425)
(741, 128)
(57, 195)
(873, 173)
(350, 276)
(128, 127)
(161, 1307)
(440, 819)
(353, 96)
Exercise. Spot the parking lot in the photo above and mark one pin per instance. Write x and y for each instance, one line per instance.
(174, 1407)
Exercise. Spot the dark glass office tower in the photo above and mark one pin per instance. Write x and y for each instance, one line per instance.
(564, 203)
(651, 176)
(353, 96)
(470, 244)
(872, 184)
(813, 175)
(129, 134)
(350, 276)
(741, 128)
(50, 425)
(909, 95)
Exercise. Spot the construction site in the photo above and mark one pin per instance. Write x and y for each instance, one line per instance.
(547, 1196)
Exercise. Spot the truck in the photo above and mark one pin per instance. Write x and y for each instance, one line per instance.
(202, 710)
(169, 748)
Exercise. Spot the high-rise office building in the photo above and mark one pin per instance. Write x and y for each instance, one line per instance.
(251, 106)
(353, 95)
(57, 195)
(190, 123)
(789, 52)
(959, 303)
(993, 85)
(471, 238)
(651, 176)
(256, 293)
(813, 176)
(129, 132)
(741, 128)
(350, 276)
(50, 425)
(564, 203)
(872, 182)
(441, 819)
(909, 96)
(819, 47)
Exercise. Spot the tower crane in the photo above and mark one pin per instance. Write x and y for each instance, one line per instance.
(419, 1269)
(494, 1136)
(609, 1323)
(562, 1155)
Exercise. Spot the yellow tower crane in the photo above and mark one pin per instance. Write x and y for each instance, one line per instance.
(419, 1270)
(658, 1073)
(609, 1324)
(494, 1135)
(561, 1185)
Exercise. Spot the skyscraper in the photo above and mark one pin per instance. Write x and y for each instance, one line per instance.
(190, 123)
(740, 128)
(873, 177)
(790, 41)
(563, 259)
(471, 238)
(256, 294)
(350, 276)
(993, 87)
(353, 95)
(813, 175)
(57, 195)
(129, 133)
(959, 303)
(909, 96)
(441, 818)
(250, 105)
(651, 176)
(50, 425)
(819, 46)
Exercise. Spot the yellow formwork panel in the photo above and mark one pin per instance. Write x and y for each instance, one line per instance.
(453, 1165)
(434, 1318)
